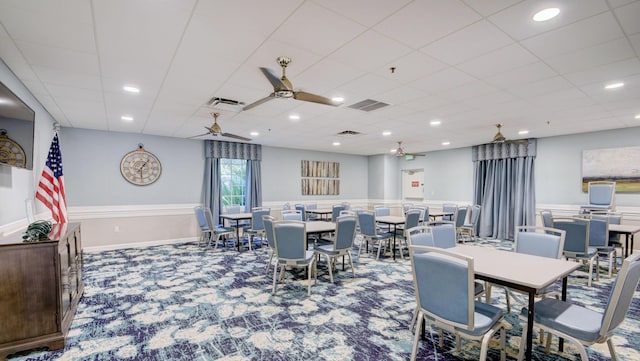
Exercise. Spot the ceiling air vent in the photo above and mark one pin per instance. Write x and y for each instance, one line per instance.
(225, 104)
(368, 105)
(349, 133)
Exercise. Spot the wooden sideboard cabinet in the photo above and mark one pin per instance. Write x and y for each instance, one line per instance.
(40, 287)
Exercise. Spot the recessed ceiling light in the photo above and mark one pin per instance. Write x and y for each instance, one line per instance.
(435, 123)
(637, 116)
(386, 133)
(546, 14)
(614, 85)
(294, 117)
(446, 143)
(127, 118)
(337, 99)
(131, 89)
(523, 132)
(335, 144)
(254, 134)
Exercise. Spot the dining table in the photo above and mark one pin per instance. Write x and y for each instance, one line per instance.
(317, 228)
(519, 271)
(394, 221)
(321, 213)
(628, 230)
(236, 217)
(435, 215)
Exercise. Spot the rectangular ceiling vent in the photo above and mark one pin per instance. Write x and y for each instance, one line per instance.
(225, 104)
(368, 105)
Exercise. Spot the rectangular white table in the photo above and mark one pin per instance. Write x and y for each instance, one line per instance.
(394, 221)
(318, 228)
(237, 217)
(519, 271)
(323, 214)
(629, 230)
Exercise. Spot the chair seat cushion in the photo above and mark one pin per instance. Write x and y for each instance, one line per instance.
(579, 322)
(309, 255)
(484, 318)
(326, 249)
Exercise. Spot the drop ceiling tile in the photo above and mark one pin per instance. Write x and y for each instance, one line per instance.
(517, 20)
(446, 79)
(629, 17)
(488, 7)
(58, 58)
(411, 66)
(64, 91)
(618, 3)
(541, 87)
(67, 78)
(422, 22)
(36, 87)
(493, 100)
(366, 12)
(583, 34)
(468, 90)
(605, 72)
(307, 28)
(326, 75)
(474, 40)
(369, 85)
(602, 54)
(521, 75)
(635, 42)
(84, 113)
(501, 60)
(234, 19)
(370, 51)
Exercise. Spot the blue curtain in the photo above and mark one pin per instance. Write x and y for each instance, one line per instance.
(504, 187)
(214, 150)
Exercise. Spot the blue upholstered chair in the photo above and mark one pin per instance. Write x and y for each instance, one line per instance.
(444, 288)
(602, 197)
(547, 218)
(449, 207)
(468, 230)
(292, 215)
(460, 218)
(271, 243)
(411, 219)
(335, 213)
(210, 232)
(444, 233)
(302, 209)
(537, 241)
(599, 238)
(576, 242)
(584, 326)
(341, 245)
(256, 229)
(290, 241)
(370, 233)
(614, 238)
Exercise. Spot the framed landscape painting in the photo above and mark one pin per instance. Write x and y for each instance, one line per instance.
(620, 165)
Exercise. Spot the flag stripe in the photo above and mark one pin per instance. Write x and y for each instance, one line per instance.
(51, 185)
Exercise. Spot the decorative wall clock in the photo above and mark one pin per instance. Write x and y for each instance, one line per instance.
(140, 167)
(11, 152)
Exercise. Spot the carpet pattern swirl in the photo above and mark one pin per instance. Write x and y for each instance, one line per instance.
(181, 302)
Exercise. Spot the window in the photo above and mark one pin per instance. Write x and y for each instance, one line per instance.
(233, 180)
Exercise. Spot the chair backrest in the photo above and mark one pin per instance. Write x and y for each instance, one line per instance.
(311, 206)
(444, 285)
(539, 241)
(612, 218)
(448, 207)
(256, 218)
(286, 206)
(367, 222)
(345, 232)
(336, 209)
(602, 193)
(202, 219)
(347, 205)
(268, 230)
(576, 241)
(475, 215)
(290, 240)
(425, 216)
(233, 209)
(621, 295)
(301, 208)
(412, 218)
(547, 218)
(292, 215)
(406, 207)
(598, 231)
(420, 236)
(422, 210)
(382, 211)
(460, 216)
(444, 233)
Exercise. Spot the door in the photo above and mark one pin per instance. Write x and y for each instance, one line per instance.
(413, 185)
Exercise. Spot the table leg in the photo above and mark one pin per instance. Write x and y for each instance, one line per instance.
(532, 298)
(393, 250)
(238, 234)
(631, 249)
(564, 298)
(626, 245)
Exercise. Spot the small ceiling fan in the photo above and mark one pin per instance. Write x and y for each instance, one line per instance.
(282, 88)
(399, 152)
(215, 130)
(499, 138)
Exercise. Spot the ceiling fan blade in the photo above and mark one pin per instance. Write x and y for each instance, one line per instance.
(258, 102)
(196, 136)
(308, 97)
(274, 79)
(229, 135)
(518, 141)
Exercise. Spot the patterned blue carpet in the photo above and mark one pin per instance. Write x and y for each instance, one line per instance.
(179, 302)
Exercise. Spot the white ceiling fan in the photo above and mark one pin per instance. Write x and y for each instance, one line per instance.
(400, 152)
(499, 138)
(282, 88)
(215, 130)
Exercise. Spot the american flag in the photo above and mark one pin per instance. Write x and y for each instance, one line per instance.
(51, 186)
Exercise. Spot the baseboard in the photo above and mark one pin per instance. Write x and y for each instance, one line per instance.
(111, 247)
